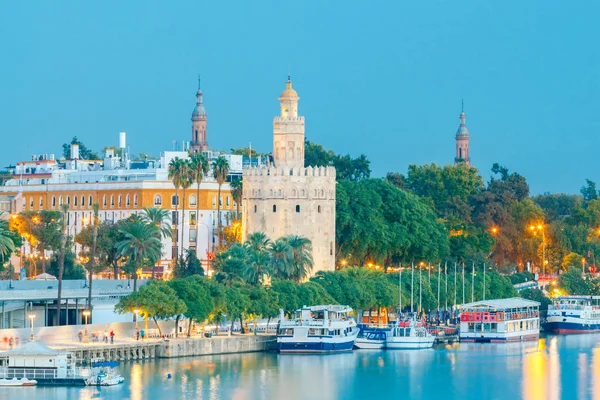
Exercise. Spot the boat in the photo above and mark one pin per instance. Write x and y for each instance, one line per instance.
(372, 337)
(14, 382)
(47, 366)
(574, 314)
(317, 329)
(502, 320)
(103, 374)
(408, 335)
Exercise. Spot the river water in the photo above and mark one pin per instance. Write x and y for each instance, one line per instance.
(555, 367)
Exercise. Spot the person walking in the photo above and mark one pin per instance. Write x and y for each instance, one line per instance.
(112, 336)
(105, 336)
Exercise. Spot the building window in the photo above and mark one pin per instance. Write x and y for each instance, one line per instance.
(174, 219)
(214, 201)
(157, 200)
(104, 201)
(220, 201)
(90, 203)
(227, 201)
(274, 208)
(60, 201)
(192, 217)
(193, 200)
(175, 200)
(255, 209)
(75, 201)
(31, 203)
(120, 201)
(82, 201)
(41, 203)
(135, 200)
(297, 208)
(128, 200)
(68, 200)
(53, 201)
(318, 209)
(330, 248)
(112, 200)
(192, 235)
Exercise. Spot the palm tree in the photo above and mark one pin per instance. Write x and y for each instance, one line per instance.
(175, 175)
(220, 171)
(281, 262)
(92, 261)
(7, 245)
(141, 243)
(200, 169)
(302, 260)
(236, 193)
(160, 218)
(61, 259)
(258, 257)
(187, 178)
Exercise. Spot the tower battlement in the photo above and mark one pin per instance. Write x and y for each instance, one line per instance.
(274, 171)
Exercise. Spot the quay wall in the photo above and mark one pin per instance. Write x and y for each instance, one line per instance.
(183, 347)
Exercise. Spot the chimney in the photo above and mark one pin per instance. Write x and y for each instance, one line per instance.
(74, 152)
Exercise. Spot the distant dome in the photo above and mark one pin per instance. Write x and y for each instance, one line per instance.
(199, 111)
(462, 131)
(289, 91)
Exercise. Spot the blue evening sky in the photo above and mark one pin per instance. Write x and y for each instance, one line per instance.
(384, 78)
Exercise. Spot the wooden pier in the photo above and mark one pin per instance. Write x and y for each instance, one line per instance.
(117, 352)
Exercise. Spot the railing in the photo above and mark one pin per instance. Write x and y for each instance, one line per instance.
(29, 373)
(566, 307)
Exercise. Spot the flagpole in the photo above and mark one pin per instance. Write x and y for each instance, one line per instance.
(400, 286)
(455, 289)
(446, 276)
(484, 281)
(420, 291)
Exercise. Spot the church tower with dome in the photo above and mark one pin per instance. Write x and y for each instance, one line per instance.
(199, 118)
(462, 142)
(285, 197)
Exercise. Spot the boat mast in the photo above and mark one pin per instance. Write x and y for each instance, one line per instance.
(483, 281)
(439, 278)
(473, 284)
(412, 285)
(446, 276)
(400, 289)
(420, 290)
(455, 285)
(463, 283)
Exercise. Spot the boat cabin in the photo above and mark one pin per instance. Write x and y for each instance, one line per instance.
(501, 320)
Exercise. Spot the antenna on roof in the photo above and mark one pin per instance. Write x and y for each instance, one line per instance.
(289, 73)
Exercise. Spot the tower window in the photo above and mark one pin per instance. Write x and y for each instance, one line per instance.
(274, 208)
(298, 208)
(318, 209)
(255, 208)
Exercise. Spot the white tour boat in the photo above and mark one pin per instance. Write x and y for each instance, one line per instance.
(574, 314)
(409, 335)
(502, 320)
(317, 329)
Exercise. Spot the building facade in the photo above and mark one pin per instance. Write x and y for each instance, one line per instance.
(284, 197)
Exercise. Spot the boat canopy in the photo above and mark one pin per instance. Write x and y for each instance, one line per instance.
(501, 304)
(31, 349)
(336, 308)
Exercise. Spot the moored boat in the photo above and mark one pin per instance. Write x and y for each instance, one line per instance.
(14, 382)
(104, 374)
(409, 335)
(372, 337)
(317, 329)
(574, 314)
(502, 320)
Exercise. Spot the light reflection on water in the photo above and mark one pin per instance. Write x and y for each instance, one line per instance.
(565, 367)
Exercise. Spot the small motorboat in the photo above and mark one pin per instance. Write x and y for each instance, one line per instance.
(371, 340)
(103, 374)
(410, 335)
(14, 382)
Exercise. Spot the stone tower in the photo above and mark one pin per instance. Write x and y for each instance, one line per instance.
(287, 198)
(199, 142)
(462, 142)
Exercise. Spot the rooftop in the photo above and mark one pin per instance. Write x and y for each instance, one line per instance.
(513, 302)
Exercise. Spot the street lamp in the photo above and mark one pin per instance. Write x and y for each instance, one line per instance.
(540, 228)
(137, 313)
(31, 318)
(86, 338)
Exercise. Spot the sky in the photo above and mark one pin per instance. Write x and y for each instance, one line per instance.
(383, 78)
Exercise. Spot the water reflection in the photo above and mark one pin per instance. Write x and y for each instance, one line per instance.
(553, 368)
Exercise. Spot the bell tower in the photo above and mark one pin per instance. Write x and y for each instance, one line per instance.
(462, 141)
(199, 118)
(288, 131)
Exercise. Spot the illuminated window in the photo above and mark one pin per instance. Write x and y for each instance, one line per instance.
(193, 200)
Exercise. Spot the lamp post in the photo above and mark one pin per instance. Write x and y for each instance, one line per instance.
(540, 228)
(137, 314)
(31, 318)
(86, 338)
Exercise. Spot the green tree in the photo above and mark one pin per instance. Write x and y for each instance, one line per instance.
(200, 168)
(140, 244)
(347, 168)
(589, 191)
(61, 258)
(301, 257)
(236, 192)
(7, 241)
(159, 218)
(84, 152)
(196, 294)
(220, 168)
(156, 300)
(176, 174)
(190, 267)
(281, 258)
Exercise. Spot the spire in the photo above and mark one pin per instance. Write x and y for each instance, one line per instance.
(199, 111)
(462, 131)
(199, 83)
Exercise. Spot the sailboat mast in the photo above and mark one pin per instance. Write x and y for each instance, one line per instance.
(446, 276)
(455, 285)
(412, 285)
(420, 290)
(473, 284)
(439, 278)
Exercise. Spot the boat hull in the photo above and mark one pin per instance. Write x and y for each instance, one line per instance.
(568, 327)
(409, 343)
(315, 347)
(369, 344)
